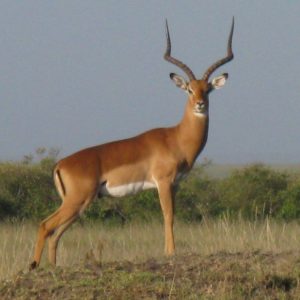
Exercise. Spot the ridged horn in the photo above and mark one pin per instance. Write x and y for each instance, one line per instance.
(224, 60)
(176, 62)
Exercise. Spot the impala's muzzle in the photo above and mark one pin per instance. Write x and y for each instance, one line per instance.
(200, 108)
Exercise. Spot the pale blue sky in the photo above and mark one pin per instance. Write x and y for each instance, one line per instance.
(79, 73)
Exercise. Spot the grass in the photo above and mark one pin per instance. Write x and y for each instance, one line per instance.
(139, 242)
(219, 259)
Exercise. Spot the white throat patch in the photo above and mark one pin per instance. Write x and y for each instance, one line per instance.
(200, 110)
(200, 114)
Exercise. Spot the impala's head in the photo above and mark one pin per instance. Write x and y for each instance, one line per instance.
(199, 89)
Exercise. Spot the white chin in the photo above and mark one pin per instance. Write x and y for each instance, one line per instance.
(200, 114)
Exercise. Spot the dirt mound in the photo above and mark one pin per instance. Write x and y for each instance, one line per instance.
(218, 276)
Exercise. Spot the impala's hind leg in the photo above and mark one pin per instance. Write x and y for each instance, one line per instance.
(55, 237)
(47, 228)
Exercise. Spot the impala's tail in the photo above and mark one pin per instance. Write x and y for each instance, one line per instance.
(60, 186)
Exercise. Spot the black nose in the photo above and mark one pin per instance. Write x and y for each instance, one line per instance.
(201, 105)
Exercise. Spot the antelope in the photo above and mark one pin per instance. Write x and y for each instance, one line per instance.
(156, 159)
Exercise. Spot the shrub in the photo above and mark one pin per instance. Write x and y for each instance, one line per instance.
(26, 191)
(290, 200)
(254, 191)
(143, 206)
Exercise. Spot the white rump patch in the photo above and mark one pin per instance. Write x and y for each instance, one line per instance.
(125, 189)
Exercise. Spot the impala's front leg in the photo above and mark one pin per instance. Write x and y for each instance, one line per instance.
(165, 192)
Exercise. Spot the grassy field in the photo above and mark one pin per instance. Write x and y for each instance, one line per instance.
(215, 260)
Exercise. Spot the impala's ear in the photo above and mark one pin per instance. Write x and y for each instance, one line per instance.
(179, 81)
(219, 82)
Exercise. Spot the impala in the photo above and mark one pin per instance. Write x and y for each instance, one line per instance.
(156, 159)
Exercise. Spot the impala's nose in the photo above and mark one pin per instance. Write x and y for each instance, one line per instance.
(201, 105)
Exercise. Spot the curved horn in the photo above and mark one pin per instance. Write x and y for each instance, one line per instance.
(224, 60)
(178, 63)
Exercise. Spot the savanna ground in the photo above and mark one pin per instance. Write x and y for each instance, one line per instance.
(219, 259)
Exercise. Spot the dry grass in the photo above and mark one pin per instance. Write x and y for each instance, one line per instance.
(139, 242)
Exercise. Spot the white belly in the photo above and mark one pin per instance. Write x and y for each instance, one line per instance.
(126, 189)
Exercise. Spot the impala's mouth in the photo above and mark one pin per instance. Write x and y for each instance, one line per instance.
(200, 109)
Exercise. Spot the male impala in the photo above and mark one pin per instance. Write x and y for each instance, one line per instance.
(155, 159)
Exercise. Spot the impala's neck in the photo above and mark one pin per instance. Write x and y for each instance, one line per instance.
(192, 133)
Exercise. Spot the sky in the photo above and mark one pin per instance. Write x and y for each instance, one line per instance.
(74, 74)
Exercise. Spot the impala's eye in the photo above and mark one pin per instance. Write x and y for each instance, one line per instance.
(190, 91)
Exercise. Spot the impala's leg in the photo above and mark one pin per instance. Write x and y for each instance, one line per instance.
(47, 228)
(55, 237)
(165, 193)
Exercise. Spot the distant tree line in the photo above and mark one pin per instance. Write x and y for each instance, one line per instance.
(254, 192)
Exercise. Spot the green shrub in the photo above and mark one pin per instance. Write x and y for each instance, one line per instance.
(290, 200)
(27, 192)
(143, 206)
(254, 191)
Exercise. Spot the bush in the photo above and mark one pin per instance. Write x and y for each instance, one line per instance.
(290, 200)
(254, 191)
(197, 197)
(143, 206)
(27, 192)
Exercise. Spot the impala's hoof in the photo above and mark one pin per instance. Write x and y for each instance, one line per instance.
(33, 265)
